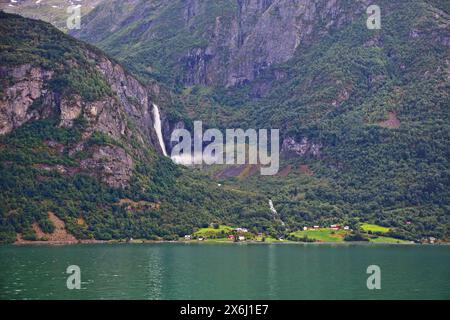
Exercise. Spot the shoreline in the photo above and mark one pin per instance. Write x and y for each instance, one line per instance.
(151, 242)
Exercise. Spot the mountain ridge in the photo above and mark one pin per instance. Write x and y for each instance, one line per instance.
(237, 39)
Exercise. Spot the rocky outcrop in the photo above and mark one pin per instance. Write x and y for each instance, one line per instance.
(225, 43)
(70, 109)
(125, 116)
(111, 164)
(303, 148)
(25, 87)
(282, 27)
(262, 33)
(132, 95)
(110, 113)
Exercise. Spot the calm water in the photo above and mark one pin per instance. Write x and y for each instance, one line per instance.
(190, 271)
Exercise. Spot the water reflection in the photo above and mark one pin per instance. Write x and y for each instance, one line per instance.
(172, 271)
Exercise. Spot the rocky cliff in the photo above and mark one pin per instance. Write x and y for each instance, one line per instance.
(35, 91)
(213, 43)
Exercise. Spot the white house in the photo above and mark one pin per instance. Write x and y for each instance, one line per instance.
(241, 238)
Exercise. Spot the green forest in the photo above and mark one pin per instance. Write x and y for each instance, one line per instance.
(377, 102)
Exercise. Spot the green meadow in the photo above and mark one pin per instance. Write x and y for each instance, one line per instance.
(388, 240)
(321, 235)
(213, 232)
(366, 227)
(220, 234)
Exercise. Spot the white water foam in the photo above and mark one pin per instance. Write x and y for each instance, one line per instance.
(158, 128)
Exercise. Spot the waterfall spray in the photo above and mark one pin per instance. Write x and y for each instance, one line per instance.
(158, 128)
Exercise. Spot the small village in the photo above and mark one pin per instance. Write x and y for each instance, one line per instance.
(230, 234)
(315, 233)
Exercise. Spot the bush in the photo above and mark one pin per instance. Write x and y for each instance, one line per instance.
(29, 235)
(355, 237)
(46, 225)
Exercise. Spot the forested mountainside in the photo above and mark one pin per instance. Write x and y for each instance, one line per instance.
(77, 139)
(364, 113)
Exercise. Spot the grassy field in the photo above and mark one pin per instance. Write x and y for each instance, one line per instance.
(322, 235)
(388, 240)
(218, 240)
(209, 232)
(366, 227)
(213, 235)
(220, 235)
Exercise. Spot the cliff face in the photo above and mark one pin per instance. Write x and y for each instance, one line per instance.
(264, 33)
(26, 86)
(213, 43)
(31, 91)
(28, 98)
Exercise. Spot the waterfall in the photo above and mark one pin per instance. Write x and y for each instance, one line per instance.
(272, 208)
(158, 128)
(275, 213)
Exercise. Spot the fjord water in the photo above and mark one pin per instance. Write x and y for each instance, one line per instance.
(247, 271)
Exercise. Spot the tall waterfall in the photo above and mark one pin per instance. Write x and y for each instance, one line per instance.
(158, 128)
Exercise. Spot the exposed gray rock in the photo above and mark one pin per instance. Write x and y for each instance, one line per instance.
(70, 109)
(231, 48)
(303, 148)
(124, 116)
(27, 84)
(111, 164)
(263, 33)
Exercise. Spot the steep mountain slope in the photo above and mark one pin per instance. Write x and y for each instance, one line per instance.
(377, 105)
(211, 42)
(77, 140)
(364, 113)
(53, 11)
